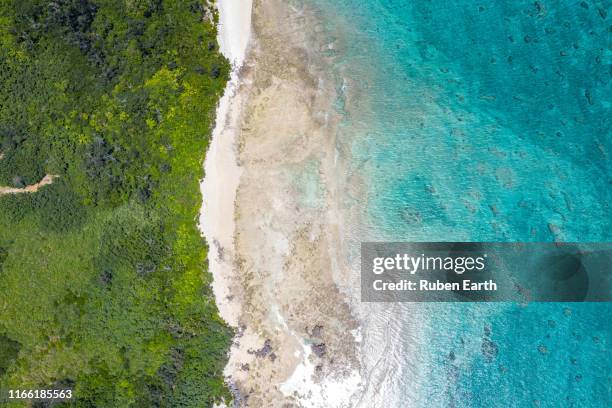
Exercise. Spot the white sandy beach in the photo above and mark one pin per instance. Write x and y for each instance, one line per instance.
(234, 30)
(222, 173)
(268, 218)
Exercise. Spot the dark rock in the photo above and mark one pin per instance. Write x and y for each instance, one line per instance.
(494, 209)
(489, 349)
(319, 349)
(239, 400)
(411, 216)
(588, 96)
(220, 249)
(264, 351)
(240, 331)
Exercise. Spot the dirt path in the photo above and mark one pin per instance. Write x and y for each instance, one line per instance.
(32, 188)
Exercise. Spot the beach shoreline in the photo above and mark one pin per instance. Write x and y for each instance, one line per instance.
(269, 214)
(234, 30)
(222, 173)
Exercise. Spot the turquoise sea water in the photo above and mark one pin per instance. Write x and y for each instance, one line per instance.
(483, 121)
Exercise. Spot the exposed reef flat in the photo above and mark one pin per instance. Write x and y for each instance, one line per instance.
(295, 344)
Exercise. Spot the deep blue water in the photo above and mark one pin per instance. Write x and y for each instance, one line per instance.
(485, 121)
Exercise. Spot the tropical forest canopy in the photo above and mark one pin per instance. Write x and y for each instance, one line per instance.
(103, 282)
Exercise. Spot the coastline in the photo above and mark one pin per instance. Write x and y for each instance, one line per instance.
(297, 216)
(272, 160)
(234, 30)
(222, 173)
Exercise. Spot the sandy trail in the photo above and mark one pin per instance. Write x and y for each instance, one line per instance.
(32, 188)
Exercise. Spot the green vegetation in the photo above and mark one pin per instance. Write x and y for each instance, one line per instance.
(103, 282)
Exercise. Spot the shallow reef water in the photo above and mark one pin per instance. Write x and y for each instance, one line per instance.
(483, 121)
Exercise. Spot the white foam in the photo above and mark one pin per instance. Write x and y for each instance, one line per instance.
(331, 392)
